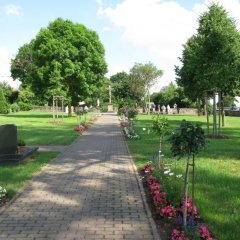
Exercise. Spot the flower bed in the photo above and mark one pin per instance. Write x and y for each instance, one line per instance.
(81, 128)
(172, 216)
(3, 196)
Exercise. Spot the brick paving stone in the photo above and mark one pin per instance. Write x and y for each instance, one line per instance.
(90, 191)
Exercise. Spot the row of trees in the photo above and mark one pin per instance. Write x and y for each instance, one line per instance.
(211, 60)
(67, 59)
(12, 100)
(172, 94)
(134, 88)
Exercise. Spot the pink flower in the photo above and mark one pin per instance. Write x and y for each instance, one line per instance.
(151, 180)
(148, 169)
(178, 235)
(169, 211)
(205, 233)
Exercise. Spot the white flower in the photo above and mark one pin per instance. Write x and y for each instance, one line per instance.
(149, 162)
(171, 174)
(179, 176)
(144, 129)
(167, 172)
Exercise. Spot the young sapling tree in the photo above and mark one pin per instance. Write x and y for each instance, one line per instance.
(188, 140)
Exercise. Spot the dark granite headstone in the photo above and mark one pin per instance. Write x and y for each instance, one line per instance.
(8, 146)
(8, 139)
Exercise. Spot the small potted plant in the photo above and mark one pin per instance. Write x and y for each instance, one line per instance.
(21, 146)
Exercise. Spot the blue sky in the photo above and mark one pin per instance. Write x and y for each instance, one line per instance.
(130, 30)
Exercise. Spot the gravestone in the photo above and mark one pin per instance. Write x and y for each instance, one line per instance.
(8, 139)
(8, 146)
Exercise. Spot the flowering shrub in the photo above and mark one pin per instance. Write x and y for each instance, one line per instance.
(79, 129)
(190, 207)
(3, 192)
(168, 211)
(130, 133)
(131, 113)
(165, 209)
(148, 169)
(205, 233)
(178, 235)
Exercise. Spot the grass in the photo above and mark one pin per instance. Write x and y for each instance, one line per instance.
(36, 128)
(14, 177)
(217, 171)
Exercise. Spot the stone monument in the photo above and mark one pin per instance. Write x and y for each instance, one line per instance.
(110, 106)
(8, 139)
(9, 144)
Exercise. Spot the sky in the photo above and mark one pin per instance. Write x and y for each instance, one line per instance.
(132, 31)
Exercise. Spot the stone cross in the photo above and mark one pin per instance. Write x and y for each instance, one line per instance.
(110, 94)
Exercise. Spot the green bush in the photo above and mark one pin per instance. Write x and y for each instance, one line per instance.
(25, 106)
(14, 107)
(4, 107)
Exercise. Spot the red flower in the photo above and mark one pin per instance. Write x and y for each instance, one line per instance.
(169, 211)
(178, 235)
(205, 233)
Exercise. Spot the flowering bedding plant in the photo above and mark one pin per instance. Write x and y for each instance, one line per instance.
(81, 128)
(3, 192)
(175, 213)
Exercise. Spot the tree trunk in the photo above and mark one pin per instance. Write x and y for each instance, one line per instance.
(53, 109)
(193, 183)
(219, 110)
(69, 110)
(160, 153)
(214, 115)
(185, 194)
(148, 101)
(222, 110)
(206, 112)
(198, 103)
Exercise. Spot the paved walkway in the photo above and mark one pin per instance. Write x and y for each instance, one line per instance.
(89, 191)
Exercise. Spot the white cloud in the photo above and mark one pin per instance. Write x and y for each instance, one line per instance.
(113, 69)
(12, 9)
(5, 75)
(160, 28)
(106, 28)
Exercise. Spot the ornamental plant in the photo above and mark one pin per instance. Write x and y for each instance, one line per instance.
(3, 192)
(3, 103)
(161, 127)
(188, 140)
(132, 113)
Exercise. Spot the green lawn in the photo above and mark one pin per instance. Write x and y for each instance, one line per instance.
(217, 172)
(13, 177)
(36, 128)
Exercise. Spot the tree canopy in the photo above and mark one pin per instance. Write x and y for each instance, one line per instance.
(121, 86)
(142, 78)
(171, 95)
(64, 59)
(211, 58)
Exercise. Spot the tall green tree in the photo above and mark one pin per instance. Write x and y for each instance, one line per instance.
(142, 78)
(3, 103)
(65, 59)
(171, 95)
(121, 86)
(9, 93)
(211, 58)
